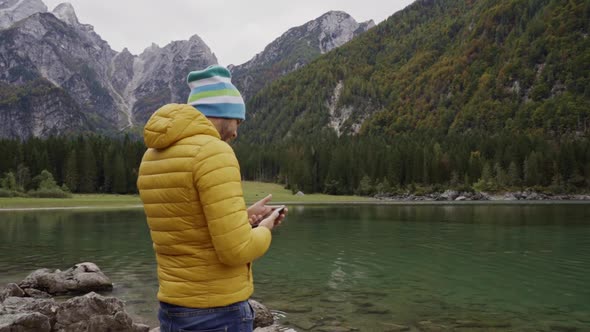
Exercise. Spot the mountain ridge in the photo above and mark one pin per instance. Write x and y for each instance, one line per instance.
(295, 48)
(115, 91)
(441, 66)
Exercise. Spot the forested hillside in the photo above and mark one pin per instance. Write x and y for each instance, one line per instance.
(443, 92)
(451, 66)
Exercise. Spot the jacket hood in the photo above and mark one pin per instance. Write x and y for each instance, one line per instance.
(173, 122)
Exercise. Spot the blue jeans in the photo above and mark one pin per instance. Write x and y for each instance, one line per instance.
(237, 317)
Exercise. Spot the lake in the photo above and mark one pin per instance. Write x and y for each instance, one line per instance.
(472, 267)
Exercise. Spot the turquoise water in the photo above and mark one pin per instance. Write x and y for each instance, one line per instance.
(368, 268)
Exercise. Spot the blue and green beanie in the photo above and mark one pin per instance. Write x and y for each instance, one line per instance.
(213, 94)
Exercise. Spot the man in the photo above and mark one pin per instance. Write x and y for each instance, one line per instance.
(190, 184)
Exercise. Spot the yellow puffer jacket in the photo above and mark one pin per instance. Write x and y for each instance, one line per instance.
(190, 185)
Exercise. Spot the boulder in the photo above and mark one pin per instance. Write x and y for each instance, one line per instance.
(263, 317)
(23, 322)
(449, 195)
(519, 195)
(299, 193)
(11, 290)
(81, 278)
(32, 292)
(510, 197)
(28, 305)
(480, 196)
(15, 305)
(140, 327)
(31, 280)
(93, 312)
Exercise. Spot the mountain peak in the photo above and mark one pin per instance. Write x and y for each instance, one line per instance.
(12, 11)
(336, 14)
(368, 24)
(65, 12)
(335, 29)
(152, 48)
(196, 39)
(297, 47)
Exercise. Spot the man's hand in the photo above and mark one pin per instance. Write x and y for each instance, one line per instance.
(274, 219)
(259, 210)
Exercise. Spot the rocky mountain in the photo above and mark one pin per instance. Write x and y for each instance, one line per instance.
(296, 48)
(39, 108)
(59, 76)
(159, 75)
(12, 11)
(90, 87)
(42, 46)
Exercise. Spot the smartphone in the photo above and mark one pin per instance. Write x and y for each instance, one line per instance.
(279, 208)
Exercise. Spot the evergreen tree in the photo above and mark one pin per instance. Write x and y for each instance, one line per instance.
(119, 175)
(427, 166)
(475, 165)
(486, 182)
(501, 176)
(71, 172)
(23, 178)
(557, 179)
(486, 173)
(455, 182)
(383, 187)
(513, 175)
(365, 186)
(438, 168)
(531, 169)
(87, 169)
(39, 160)
(108, 171)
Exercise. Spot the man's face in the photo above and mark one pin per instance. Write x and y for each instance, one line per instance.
(229, 129)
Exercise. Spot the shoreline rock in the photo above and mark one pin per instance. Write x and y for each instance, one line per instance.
(452, 195)
(90, 312)
(79, 279)
(29, 306)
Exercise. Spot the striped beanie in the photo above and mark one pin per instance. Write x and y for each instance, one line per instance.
(213, 94)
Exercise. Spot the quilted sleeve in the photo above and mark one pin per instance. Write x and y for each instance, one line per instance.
(217, 179)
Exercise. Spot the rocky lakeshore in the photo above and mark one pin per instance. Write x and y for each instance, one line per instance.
(65, 301)
(458, 196)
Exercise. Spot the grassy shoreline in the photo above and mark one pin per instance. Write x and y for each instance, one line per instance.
(253, 191)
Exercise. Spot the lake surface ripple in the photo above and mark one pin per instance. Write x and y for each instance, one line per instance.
(349, 268)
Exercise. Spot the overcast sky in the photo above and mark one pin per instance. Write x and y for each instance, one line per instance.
(234, 30)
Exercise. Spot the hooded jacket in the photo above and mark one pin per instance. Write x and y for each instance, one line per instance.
(190, 185)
